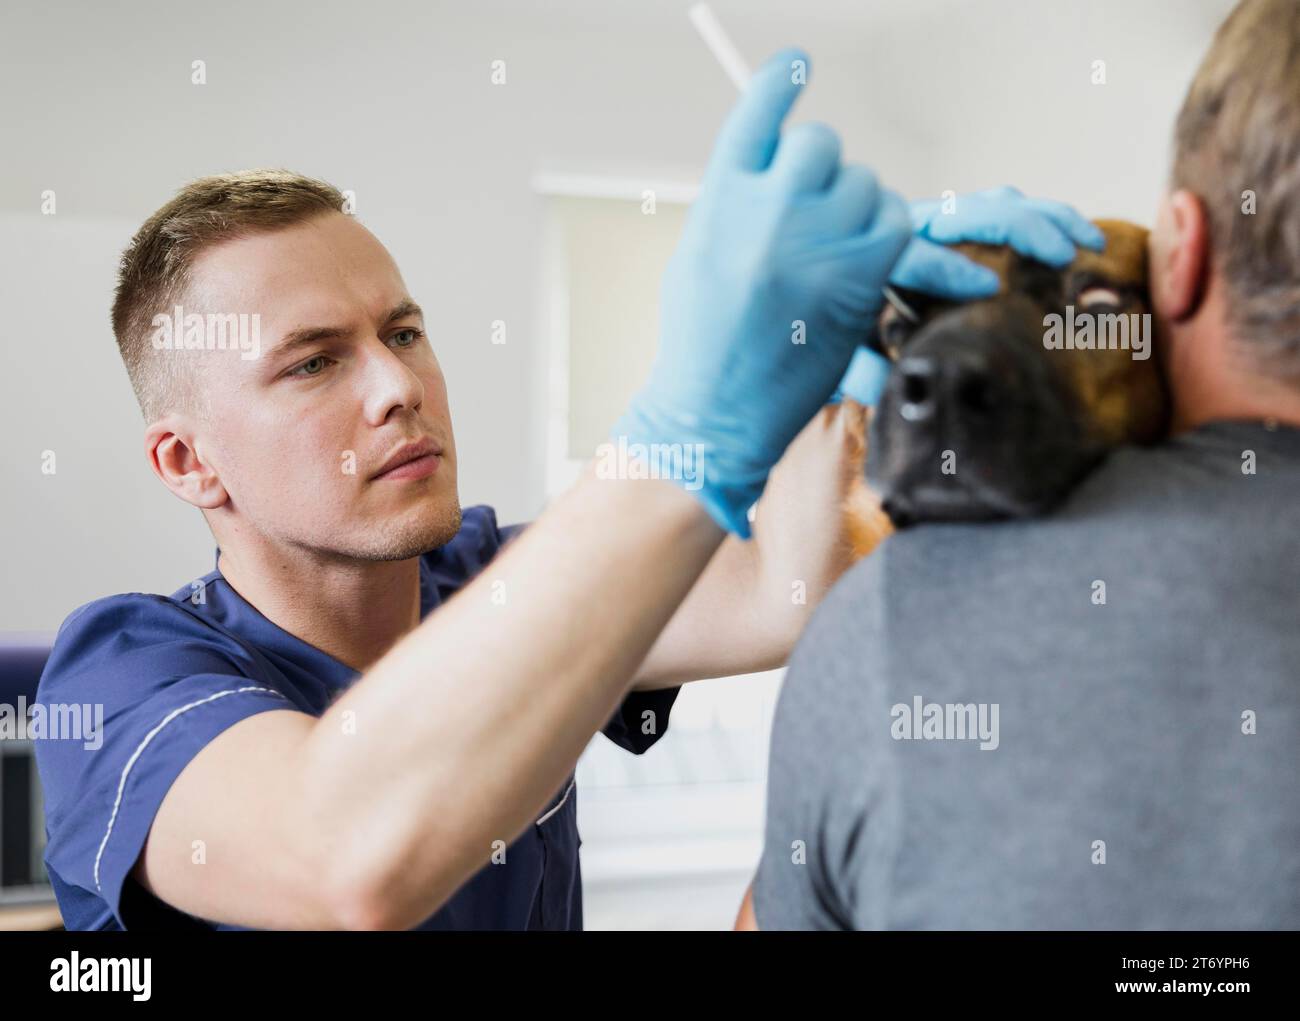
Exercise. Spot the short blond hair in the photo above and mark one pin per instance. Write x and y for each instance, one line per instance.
(155, 268)
(1237, 146)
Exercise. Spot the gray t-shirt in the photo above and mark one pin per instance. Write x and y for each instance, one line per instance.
(1130, 754)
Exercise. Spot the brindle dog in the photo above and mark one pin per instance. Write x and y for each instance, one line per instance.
(998, 407)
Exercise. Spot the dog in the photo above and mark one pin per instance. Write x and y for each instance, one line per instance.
(997, 408)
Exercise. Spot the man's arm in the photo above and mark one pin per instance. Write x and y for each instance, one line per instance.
(751, 604)
(483, 722)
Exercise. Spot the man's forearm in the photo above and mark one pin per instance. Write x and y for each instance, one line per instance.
(738, 619)
(751, 604)
(459, 735)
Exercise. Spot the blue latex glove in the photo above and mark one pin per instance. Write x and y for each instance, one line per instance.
(1038, 228)
(780, 235)
(865, 379)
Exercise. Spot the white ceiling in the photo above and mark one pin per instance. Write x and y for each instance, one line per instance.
(934, 93)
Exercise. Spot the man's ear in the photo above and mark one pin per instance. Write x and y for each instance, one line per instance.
(170, 446)
(1179, 254)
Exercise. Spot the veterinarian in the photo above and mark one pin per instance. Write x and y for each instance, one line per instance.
(297, 739)
(1137, 649)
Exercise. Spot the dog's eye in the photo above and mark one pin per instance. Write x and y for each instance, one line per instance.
(1093, 297)
(894, 330)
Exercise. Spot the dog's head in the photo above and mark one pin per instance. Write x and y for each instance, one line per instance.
(997, 407)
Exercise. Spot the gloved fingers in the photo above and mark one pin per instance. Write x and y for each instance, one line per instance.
(922, 211)
(865, 379)
(861, 264)
(943, 272)
(1028, 232)
(1039, 237)
(852, 200)
(1002, 193)
(876, 249)
(807, 158)
(751, 131)
(1076, 226)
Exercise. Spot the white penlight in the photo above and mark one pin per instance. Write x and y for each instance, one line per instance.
(723, 49)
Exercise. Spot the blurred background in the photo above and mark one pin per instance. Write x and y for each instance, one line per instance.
(531, 218)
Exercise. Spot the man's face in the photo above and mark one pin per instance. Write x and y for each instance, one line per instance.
(346, 379)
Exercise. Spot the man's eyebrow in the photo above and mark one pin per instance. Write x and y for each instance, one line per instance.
(307, 335)
(404, 310)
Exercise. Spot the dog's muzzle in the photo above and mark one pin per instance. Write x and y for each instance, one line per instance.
(974, 424)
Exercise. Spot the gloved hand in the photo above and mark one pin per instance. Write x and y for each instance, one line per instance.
(1038, 228)
(777, 277)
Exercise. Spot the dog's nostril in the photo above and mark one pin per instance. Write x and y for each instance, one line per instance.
(916, 389)
(975, 394)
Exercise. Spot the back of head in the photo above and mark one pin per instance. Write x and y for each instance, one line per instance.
(1237, 146)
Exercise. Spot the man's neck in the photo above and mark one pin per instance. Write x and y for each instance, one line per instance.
(1211, 378)
(355, 610)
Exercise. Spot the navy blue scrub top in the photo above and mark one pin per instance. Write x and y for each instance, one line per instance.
(174, 672)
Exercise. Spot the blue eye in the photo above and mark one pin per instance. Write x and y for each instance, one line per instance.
(305, 369)
(416, 335)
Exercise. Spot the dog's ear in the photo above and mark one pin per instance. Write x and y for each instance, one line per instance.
(1126, 251)
(867, 524)
(1135, 405)
(1109, 226)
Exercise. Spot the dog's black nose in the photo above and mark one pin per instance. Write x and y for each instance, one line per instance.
(960, 382)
